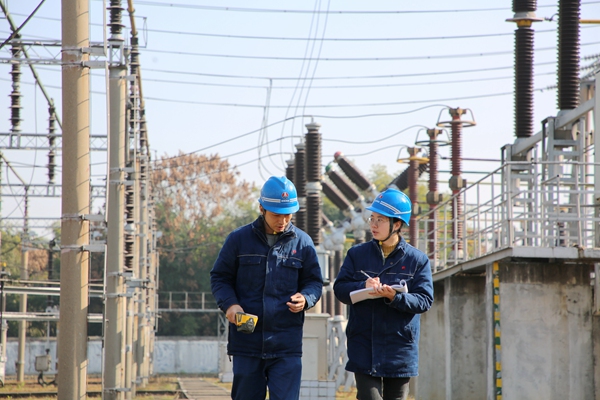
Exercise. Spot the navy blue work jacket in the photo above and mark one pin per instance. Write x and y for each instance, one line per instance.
(261, 279)
(383, 335)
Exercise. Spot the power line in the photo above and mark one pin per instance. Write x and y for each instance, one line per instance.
(354, 59)
(393, 103)
(286, 11)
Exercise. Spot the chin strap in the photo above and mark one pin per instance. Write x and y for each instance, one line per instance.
(267, 224)
(392, 231)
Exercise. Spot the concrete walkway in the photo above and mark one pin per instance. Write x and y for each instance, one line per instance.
(199, 389)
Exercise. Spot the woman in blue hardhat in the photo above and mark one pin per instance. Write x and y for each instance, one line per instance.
(270, 269)
(383, 331)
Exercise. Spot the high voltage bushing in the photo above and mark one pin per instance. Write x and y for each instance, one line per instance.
(300, 183)
(289, 170)
(456, 124)
(15, 94)
(352, 172)
(401, 181)
(313, 182)
(134, 55)
(116, 27)
(336, 197)
(313, 152)
(568, 54)
(313, 216)
(343, 184)
(300, 177)
(433, 197)
(524, 39)
(51, 144)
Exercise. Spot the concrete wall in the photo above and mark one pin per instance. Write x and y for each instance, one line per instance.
(453, 341)
(171, 355)
(549, 335)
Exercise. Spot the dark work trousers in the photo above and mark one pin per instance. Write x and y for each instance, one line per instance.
(252, 376)
(376, 388)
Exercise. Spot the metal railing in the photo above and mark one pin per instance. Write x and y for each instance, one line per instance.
(187, 302)
(536, 204)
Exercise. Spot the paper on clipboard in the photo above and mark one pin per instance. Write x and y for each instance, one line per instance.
(365, 294)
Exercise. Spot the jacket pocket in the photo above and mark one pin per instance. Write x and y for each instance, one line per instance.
(288, 273)
(251, 272)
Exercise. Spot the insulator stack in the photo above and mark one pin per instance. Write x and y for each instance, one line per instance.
(456, 183)
(289, 170)
(336, 196)
(130, 222)
(343, 184)
(433, 171)
(313, 153)
(456, 149)
(433, 197)
(352, 172)
(313, 217)
(413, 177)
(313, 182)
(115, 24)
(15, 94)
(290, 173)
(568, 54)
(524, 5)
(51, 144)
(299, 170)
(524, 38)
(300, 183)
(134, 56)
(401, 181)
(144, 145)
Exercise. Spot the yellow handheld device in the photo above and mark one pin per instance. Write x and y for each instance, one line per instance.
(245, 322)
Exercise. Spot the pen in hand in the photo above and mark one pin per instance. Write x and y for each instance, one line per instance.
(374, 281)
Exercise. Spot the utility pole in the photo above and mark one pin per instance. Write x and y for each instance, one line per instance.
(74, 283)
(114, 329)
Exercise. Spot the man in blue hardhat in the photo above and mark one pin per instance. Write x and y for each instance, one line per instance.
(270, 270)
(383, 331)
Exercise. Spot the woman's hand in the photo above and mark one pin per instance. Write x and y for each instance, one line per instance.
(386, 291)
(373, 283)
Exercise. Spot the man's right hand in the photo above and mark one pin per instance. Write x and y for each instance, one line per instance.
(231, 311)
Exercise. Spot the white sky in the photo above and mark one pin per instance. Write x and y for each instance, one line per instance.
(207, 66)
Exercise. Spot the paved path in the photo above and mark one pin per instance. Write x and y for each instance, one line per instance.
(199, 389)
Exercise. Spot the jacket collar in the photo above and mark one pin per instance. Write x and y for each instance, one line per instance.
(400, 246)
(258, 226)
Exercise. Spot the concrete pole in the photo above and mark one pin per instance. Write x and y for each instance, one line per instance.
(597, 160)
(142, 325)
(20, 364)
(130, 322)
(74, 284)
(114, 335)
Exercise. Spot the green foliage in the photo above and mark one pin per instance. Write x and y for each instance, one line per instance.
(380, 177)
(331, 211)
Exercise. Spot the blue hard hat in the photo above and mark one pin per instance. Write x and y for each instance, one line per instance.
(279, 196)
(393, 204)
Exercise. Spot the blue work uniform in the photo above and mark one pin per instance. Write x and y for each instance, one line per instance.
(261, 279)
(383, 335)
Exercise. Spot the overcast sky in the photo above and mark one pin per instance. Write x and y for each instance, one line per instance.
(242, 79)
